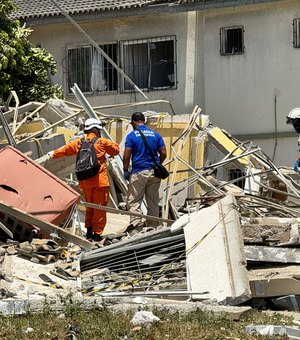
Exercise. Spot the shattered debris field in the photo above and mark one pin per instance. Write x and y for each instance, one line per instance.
(224, 248)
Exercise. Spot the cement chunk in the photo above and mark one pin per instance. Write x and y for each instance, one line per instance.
(215, 255)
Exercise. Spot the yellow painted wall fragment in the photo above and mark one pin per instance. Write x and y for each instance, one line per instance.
(224, 143)
(66, 132)
(31, 127)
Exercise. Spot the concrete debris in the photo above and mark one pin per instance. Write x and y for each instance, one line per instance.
(289, 302)
(271, 330)
(228, 233)
(214, 246)
(144, 318)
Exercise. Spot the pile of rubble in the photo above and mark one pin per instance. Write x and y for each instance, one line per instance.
(222, 242)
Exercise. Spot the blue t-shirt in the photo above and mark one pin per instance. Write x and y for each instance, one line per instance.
(141, 159)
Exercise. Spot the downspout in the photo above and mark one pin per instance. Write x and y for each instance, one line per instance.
(276, 128)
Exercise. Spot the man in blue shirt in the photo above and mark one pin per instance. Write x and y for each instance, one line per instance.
(142, 182)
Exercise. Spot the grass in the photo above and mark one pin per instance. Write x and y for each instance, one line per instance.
(105, 324)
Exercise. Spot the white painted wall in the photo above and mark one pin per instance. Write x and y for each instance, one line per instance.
(237, 92)
(55, 38)
(245, 85)
(240, 90)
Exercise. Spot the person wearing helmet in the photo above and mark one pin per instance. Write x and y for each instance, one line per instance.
(142, 182)
(294, 118)
(96, 188)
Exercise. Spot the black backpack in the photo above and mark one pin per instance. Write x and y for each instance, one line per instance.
(87, 164)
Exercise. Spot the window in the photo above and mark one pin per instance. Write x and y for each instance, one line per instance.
(232, 40)
(235, 174)
(90, 70)
(296, 33)
(149, 63)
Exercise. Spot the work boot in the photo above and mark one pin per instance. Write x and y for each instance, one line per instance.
(89, 233)
(97, 237)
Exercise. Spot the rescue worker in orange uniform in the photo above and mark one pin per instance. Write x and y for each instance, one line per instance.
(96, 189)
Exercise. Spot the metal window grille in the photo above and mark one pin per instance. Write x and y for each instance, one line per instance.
(79, 68)
(232, 40)
(150, 63)
(147, 266)
(234, 174)
(90, 70)
(296, 33)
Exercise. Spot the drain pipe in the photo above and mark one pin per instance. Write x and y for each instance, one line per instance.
(276, 128)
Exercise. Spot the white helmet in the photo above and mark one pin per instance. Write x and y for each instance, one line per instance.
(294, 118)
(294, 114)
(92, 123)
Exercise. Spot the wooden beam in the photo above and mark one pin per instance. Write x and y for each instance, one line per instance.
(46, 226)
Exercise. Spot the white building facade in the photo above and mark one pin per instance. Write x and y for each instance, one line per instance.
(238, 60)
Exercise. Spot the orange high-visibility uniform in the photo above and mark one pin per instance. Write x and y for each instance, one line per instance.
(96, 189)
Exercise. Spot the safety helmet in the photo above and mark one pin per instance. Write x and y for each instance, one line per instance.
(92, 123)
(294, 118)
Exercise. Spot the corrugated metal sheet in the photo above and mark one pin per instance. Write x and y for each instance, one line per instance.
(27, 9)
(30, 9)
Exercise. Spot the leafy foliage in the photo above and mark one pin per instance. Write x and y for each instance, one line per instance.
(23, 67)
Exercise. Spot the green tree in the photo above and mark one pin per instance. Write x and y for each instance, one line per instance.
(24, 68)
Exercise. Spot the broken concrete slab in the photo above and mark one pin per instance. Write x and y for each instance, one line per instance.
(37, 304)
(272, 330)
(22, 277)
(288, 302)
(9, 307)
(40, 146)
(184, 307)
(215, 256)
(262, 229)
(275, 281)
(272, 254)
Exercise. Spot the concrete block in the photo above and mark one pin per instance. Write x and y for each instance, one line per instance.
(272, 254)
(215, 254)
(13, 307)
(41, 146)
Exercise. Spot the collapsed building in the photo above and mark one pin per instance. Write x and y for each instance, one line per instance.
(227, 242)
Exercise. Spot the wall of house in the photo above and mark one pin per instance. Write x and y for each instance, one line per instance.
(250, 94)
(56, 38)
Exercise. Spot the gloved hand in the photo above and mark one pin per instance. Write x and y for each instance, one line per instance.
(127, 175)
(45, 158)
(296, 166)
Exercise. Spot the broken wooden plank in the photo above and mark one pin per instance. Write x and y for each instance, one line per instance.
(48, 227)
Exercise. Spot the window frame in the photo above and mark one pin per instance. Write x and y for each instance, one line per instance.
(92, 49)
(296, 33)
(236, 174)
(148, 41)
(75, 47)
(223, 40)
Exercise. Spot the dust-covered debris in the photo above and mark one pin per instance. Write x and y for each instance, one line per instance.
(150, 259)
